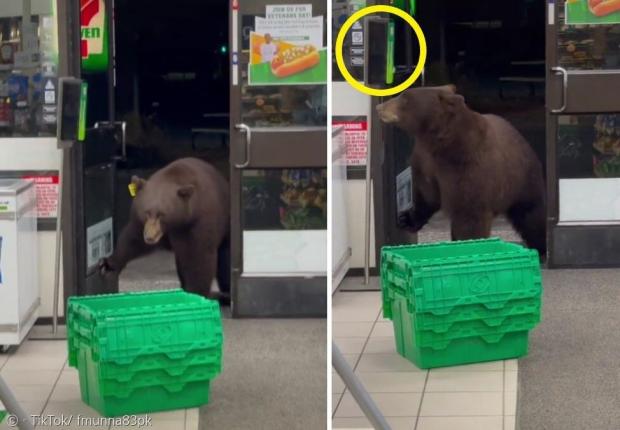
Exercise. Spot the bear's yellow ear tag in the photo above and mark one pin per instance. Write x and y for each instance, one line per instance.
(132, 189)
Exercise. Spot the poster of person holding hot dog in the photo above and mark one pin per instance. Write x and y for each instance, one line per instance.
(592, 12)
(268, 49)
(287, 47)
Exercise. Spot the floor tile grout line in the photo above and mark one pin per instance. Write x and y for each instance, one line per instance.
(9, 355)
(357, 362)
(340, 397)
(417, 418)
(49, 397)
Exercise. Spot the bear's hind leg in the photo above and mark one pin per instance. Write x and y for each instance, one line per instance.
(196, 271)
(223, 270)
(179, 273)
(530, 222)
(471, 225)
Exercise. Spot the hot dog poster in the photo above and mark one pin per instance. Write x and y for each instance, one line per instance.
(286, 47)
(592, 12)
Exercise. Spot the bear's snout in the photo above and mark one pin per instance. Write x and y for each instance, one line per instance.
(387, 112)
(152, 231)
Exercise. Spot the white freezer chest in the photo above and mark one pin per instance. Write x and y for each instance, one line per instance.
(19, 270)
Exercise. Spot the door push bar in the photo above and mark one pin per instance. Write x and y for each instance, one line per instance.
(243, 128)
(561, 71)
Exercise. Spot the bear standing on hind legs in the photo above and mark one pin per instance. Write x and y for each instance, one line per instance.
(184, 207)
(474, 167)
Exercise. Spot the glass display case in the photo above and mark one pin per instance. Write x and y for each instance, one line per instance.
(28, 68)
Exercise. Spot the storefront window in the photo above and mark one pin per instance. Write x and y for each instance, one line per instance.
(283, 106)
(284, 221)
(28, 68)
(285, 199)
(589, 146)
(588, 47)
(284, 66)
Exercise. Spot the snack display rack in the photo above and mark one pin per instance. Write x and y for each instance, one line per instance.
(280, 106)
(290, 199)
(587, 47)
(607, 146)
(28, 78)
(305, 197)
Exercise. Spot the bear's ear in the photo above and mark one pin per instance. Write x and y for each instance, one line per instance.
(450, 101)
(450, 88)
(186, 191)
(138, 182)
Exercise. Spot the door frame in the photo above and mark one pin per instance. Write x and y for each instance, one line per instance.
(575, 246)
(293, 147)
(77, 279)
(384, 162)
(69, 59)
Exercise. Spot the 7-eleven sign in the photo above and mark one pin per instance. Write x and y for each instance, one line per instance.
(94, 45)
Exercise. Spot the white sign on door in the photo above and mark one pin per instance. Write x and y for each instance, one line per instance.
(404, 190)
(99, 241)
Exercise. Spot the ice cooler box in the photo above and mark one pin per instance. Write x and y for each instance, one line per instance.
(144, 352)
(19, 269)
(462, 302)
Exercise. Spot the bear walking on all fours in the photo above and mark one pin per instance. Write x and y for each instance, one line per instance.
(474, 167)
(185, 208)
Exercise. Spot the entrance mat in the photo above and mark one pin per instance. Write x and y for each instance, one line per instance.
(274, 378)
(571, 377)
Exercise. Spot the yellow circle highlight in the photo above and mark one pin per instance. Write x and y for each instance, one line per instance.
(387, 91)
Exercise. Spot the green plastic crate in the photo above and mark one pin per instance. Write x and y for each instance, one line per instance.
(141, 392)
(144, 352)
(432, 321)
(208, 358)
(461, 302)
(457, 351)
(441, 276)
(123, 327)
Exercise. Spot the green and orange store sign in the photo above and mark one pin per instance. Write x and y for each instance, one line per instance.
(95, 38)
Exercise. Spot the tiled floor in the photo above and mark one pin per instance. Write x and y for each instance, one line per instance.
(477, 397)
(40, 378)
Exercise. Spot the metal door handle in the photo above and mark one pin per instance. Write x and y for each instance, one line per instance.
(561, 71)
(248, 141)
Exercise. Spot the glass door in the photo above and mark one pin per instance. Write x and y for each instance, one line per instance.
(392, 148)
(583, 134)
(278, 158)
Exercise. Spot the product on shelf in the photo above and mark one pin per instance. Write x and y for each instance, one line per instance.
(607, 145)
(304, 194)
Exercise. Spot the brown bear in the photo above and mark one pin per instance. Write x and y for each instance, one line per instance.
(184, 207)
(473, 167)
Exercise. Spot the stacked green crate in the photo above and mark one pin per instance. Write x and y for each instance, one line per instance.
(144, 352)
(461, 302)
